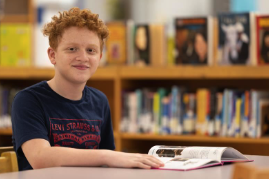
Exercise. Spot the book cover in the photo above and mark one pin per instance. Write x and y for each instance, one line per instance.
(219, 111)
(212, 111)
(192, 42)
(15, 45)
(264, 117)
(202, 111)
(156, 112)
(189, 100)
(245, 115)
(125, 116)
(142, 45)
(157, 45)
(132, 106)
(234, 45)
(262, 32)
(165, 128)
(162, 94)
(116, 43)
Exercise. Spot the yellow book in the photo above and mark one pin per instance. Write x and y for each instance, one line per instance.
(116, 43)
(15, 45)
(237, 117)
(202, 109)
(156, 111)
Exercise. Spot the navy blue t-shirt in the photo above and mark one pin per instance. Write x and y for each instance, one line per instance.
(39, 112)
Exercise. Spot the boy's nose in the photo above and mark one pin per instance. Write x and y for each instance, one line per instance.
(82, 56)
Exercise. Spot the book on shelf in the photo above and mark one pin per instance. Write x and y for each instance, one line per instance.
(236, 40)
(142, 44)
(116, 43)
(149, 44)
(15, 45)
(157, 45)
(190, 158)
(208, 112)
(194, 41)
(264, 117)
(262, 37)
(7, 95)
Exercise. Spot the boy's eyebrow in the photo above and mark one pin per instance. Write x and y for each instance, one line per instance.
(73, 43)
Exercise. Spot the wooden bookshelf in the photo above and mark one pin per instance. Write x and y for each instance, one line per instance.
(106, 73)
(15, 19)
(194, 138)
(113, 79)
(195, 72)
(5, 131)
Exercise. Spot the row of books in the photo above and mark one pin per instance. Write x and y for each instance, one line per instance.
(6, 97)
(228, 39)
(230, 112)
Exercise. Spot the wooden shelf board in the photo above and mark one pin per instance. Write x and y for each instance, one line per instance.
(109, 72)
(25, 73)
(5, 131)
(105, 73)
(16, 18)
(195, 72)
(193, 138)
(125, 72)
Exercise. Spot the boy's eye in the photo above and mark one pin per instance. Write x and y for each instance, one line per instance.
(72, 49)
(91, 50)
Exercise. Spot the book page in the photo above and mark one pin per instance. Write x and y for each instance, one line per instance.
(166, 151)
(179, 163)
(213, 153)
(231, 154)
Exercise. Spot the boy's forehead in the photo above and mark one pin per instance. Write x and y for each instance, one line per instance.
(78, 30)
(78, 35)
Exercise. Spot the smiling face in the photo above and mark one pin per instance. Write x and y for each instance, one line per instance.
(77, 55)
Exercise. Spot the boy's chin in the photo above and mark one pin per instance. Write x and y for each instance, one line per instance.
(80, 81)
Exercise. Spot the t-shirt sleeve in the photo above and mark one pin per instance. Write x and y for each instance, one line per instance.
(27, 119)
(107, 137)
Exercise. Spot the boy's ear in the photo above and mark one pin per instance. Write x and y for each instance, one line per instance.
(101, 54)
(51, 54)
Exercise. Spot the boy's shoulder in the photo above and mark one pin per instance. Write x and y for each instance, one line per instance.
(95, 93)
(35, 88)
(29, 93)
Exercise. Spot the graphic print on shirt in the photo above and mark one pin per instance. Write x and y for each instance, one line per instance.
(75, 133)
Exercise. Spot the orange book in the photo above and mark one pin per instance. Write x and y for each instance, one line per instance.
(116, 43)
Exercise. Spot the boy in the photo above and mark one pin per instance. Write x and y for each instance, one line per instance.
(62, 122)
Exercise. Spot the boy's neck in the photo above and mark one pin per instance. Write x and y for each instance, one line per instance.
(66, 89)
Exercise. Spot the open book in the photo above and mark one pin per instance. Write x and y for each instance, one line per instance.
(190, 158)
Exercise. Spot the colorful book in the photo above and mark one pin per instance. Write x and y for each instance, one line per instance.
(193, 41)
(235, 39)
(157, 45)
(202, 111)
(264, 118)
(189, 119)
(15, 45)
(142, 45)
(262, 35)
(116, 43)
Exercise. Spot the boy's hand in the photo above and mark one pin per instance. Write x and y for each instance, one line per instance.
(130, 160)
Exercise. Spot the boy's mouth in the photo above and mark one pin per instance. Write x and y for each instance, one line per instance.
(81, 67)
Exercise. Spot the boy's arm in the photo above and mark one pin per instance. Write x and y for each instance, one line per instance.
(40, 154)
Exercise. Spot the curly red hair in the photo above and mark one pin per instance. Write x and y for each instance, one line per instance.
(74, 18)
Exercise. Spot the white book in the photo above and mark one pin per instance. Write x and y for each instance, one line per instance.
(190, 158)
